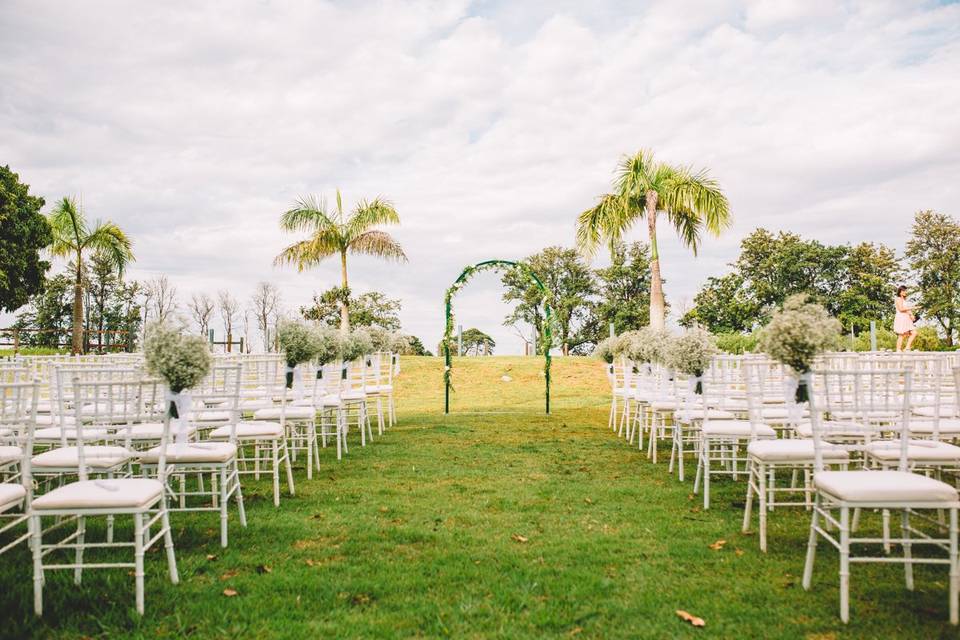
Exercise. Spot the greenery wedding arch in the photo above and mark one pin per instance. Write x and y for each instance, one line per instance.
(546, 334)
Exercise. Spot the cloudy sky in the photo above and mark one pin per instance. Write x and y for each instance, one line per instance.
(490, 124)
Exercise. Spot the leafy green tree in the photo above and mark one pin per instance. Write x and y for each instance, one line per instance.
(690, 200)
(48, 315)
(570, 281)
(871, 271)
(722, 305)
(334, 234)
(371, 309)
(473, 340)
(623, 291)
(24, 232)
(114, 305)
(933, 254)
(74, 239)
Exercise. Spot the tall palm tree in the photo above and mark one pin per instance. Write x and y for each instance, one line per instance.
(332, 233)
(644, 188)
(74, 239)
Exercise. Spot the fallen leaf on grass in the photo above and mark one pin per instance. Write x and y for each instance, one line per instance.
(233, 573)
(310, 562)
(384, 509)
(575, 631)
(692, 619)
(264, 569)
(718, 545)
(739, 552)
(588, 501)
(230, 593)
(519, 538)
(211, 557)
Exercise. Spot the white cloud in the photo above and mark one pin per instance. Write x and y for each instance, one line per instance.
(490, 125)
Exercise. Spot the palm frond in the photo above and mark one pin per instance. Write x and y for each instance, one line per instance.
(109, 240)
(607, 221)
(309, 213)
(68, 226)
(367, 215)
(695, 192)
(307, 253)
(380, 244)
(636, 173)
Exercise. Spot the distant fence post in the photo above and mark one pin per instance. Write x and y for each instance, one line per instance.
(16, 340)
(210, 335)
(611, 330)
(873, 335)
(229, 342)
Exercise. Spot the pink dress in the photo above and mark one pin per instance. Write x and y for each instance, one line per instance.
(902, 322)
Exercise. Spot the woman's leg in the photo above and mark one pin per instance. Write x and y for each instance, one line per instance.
(900, 342)
(913, 335)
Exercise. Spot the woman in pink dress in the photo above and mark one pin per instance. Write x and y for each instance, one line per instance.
(903, 321)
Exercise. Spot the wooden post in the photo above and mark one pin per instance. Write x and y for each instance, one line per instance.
(16, 340)
(229, 341)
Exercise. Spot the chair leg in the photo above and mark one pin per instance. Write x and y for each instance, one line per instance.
(748, 503)
(81, 536)
(138, 558)
(239, 495)
(954, 570)
(276, 472)
(224, 505)
(36, 532)
(762, 500)
(885, 516)
(286, 458)
(845, 564)
(907, 549)
(811, 543)
(168, 544)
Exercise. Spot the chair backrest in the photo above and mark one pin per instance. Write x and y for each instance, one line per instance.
(108, 403)
(859, 401)
(18, 413)
(217, 396)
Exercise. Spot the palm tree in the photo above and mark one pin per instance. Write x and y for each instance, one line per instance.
(74, 239)
(332, 233)
(691, 200)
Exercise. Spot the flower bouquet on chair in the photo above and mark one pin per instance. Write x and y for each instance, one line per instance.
(299, 344)
(182, 362)
(690, 354)
(796, 335)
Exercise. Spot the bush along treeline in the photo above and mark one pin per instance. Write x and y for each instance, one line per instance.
(855, 283)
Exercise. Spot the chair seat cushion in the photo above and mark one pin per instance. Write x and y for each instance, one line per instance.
(154, 430)
(191, 452)
(210, 416)
(917, 451)
(380, 388)
(253, 405)
(11, 495)
(663, 404)
(53, 433)
(47, 420)
(124, 493)
(947, 426)
(10, 454)
(291, 413)
(946, 411)
(877, 487)
(249, 429)
(834, 430)
(736, 429)
(354, 394)
(687, 415)
(779, 413)
(793, 450)
(95, 457)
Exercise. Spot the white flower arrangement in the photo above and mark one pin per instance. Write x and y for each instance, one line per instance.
(604, 350)
(297, 342)
(797, 334)
(690, 353)
(181, 361)
(355, 345)
(326, 344)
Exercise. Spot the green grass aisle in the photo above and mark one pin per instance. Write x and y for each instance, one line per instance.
(494, 521)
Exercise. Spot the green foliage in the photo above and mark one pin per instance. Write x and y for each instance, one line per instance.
(24, 232)
(854, 284)
(371, 309)
(623, 292)
(737, 343)
(933, 253)
(568, 278)
(474, 341)
(47, 318)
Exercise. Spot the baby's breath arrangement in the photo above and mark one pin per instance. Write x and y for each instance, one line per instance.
(181, 361)
(380, 338)
(604, 350)
(797, 334)
(326, 344)
(691, 353)
(298, 343)
(355, 345)
(401, 343)
(645, 345)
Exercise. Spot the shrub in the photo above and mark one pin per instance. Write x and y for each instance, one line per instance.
(737, 343)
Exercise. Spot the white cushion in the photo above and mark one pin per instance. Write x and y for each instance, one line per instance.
(192, 452)
(778, 413)
(663, 404)
(11, 495)
(48, 420)
(10, 454)
(947, 426)
(53, 433)
(251, 405)
(736, 429)
(380, 388)
(124, 493)
(154, 431)
(353, 395)
(686, 415)
(835, 430)
(210, 416)
(95, 457)
(917, 451)
(793, 450)
(249, 429)
(291, 413)
(875, 487)
(946, 411)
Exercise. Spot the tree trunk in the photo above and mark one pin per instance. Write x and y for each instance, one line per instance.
(657, 304)
(344, 310)
(77, 342)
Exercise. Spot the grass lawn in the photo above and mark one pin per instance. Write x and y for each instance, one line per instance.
(494, 521)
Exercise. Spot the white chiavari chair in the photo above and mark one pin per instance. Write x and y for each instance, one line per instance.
(858, 398)
(18, 410)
